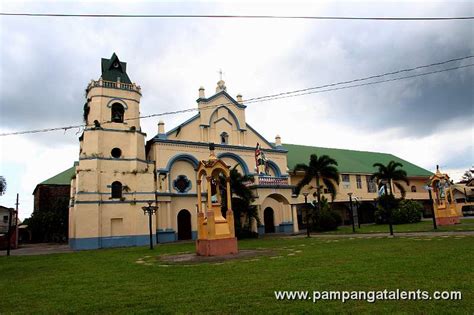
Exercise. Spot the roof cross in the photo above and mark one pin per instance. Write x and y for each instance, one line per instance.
(220, 74)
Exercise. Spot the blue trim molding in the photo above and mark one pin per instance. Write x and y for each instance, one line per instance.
(115, 130)
(116, 201)
(231, 114)
(263, 138)
(167, 236)
(109, 242)
(261, 230)
(275, 168)
(237, 158)
(205, 100)
(182, 157)
(187, 122)
(217, 145)
(114, 159)
(285, 227)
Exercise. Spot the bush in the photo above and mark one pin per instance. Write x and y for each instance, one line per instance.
(386, 204)
(327, 220)
(403, 211)
(409, 211)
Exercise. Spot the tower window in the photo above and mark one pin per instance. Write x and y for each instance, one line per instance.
(116, 190)
(224, 138)
(413, 188)
(116, 153)
(117, 113)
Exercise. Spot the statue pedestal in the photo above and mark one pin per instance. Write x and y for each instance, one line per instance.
(217, 247)
(448, 221)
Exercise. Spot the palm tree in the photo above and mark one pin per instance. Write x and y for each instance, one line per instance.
(390, 174)
(323, 169)
(242, 204)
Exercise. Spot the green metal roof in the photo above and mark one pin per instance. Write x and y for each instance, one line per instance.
(63, 178)
(113, 68)
(350, 161)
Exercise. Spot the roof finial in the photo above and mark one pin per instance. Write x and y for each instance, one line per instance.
(220, 74)
(221, 84)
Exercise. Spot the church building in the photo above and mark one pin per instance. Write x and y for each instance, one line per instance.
(118, 172)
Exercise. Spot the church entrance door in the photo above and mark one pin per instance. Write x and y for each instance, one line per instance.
(269, 220)
(184, 225)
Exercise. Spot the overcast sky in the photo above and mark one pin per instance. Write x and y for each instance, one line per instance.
(46, 63)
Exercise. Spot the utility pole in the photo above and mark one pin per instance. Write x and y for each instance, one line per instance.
(16, 221)
(9, 233)
(352, 212)
(432, 209)
(305, 194)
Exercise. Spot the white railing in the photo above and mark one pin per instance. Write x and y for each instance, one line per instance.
(114, 85)
(272, 181)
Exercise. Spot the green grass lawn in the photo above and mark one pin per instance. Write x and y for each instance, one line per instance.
(111, 281)
(423, 226)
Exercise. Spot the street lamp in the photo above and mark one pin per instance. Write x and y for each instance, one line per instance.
(305, 194)
(352, 213)
(150, 210)
(432, 207)
(357, 203)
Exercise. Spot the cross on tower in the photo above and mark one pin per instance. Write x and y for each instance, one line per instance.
(220, 74)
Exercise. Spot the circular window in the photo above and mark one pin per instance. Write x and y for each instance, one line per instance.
(182, 184)
(116, 153)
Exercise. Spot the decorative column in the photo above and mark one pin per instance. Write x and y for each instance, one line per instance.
(229, 213)
(209, 194)
(199, 196)
(211, 224)
(294, 213)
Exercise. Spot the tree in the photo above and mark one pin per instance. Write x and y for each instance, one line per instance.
(323, 169)
(390, 174)
(467, 176)
(51, 223)
(3, 185)
(242, 203)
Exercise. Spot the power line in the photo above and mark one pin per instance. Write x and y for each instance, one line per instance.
(288, 94)
(370, 77)
(363, 84)
(221, 16)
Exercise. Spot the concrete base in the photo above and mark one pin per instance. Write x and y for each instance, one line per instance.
(219, 247)
(448, 221)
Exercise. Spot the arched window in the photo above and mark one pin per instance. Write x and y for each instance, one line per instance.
(116, 190)
(413, 188)
(224, 138)
(117, 113)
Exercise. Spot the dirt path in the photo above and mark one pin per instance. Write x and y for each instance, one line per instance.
(43, 249)
(365, 235)
(38, 249)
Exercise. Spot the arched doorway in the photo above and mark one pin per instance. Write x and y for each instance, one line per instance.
(269, 220)
(184, 225)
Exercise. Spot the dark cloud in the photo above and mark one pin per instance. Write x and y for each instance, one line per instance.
(419, 106)
(48, 62)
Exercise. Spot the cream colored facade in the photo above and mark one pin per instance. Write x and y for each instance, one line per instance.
(220, 120)
(164, 170)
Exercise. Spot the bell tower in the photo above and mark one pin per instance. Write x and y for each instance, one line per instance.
(113, 179)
